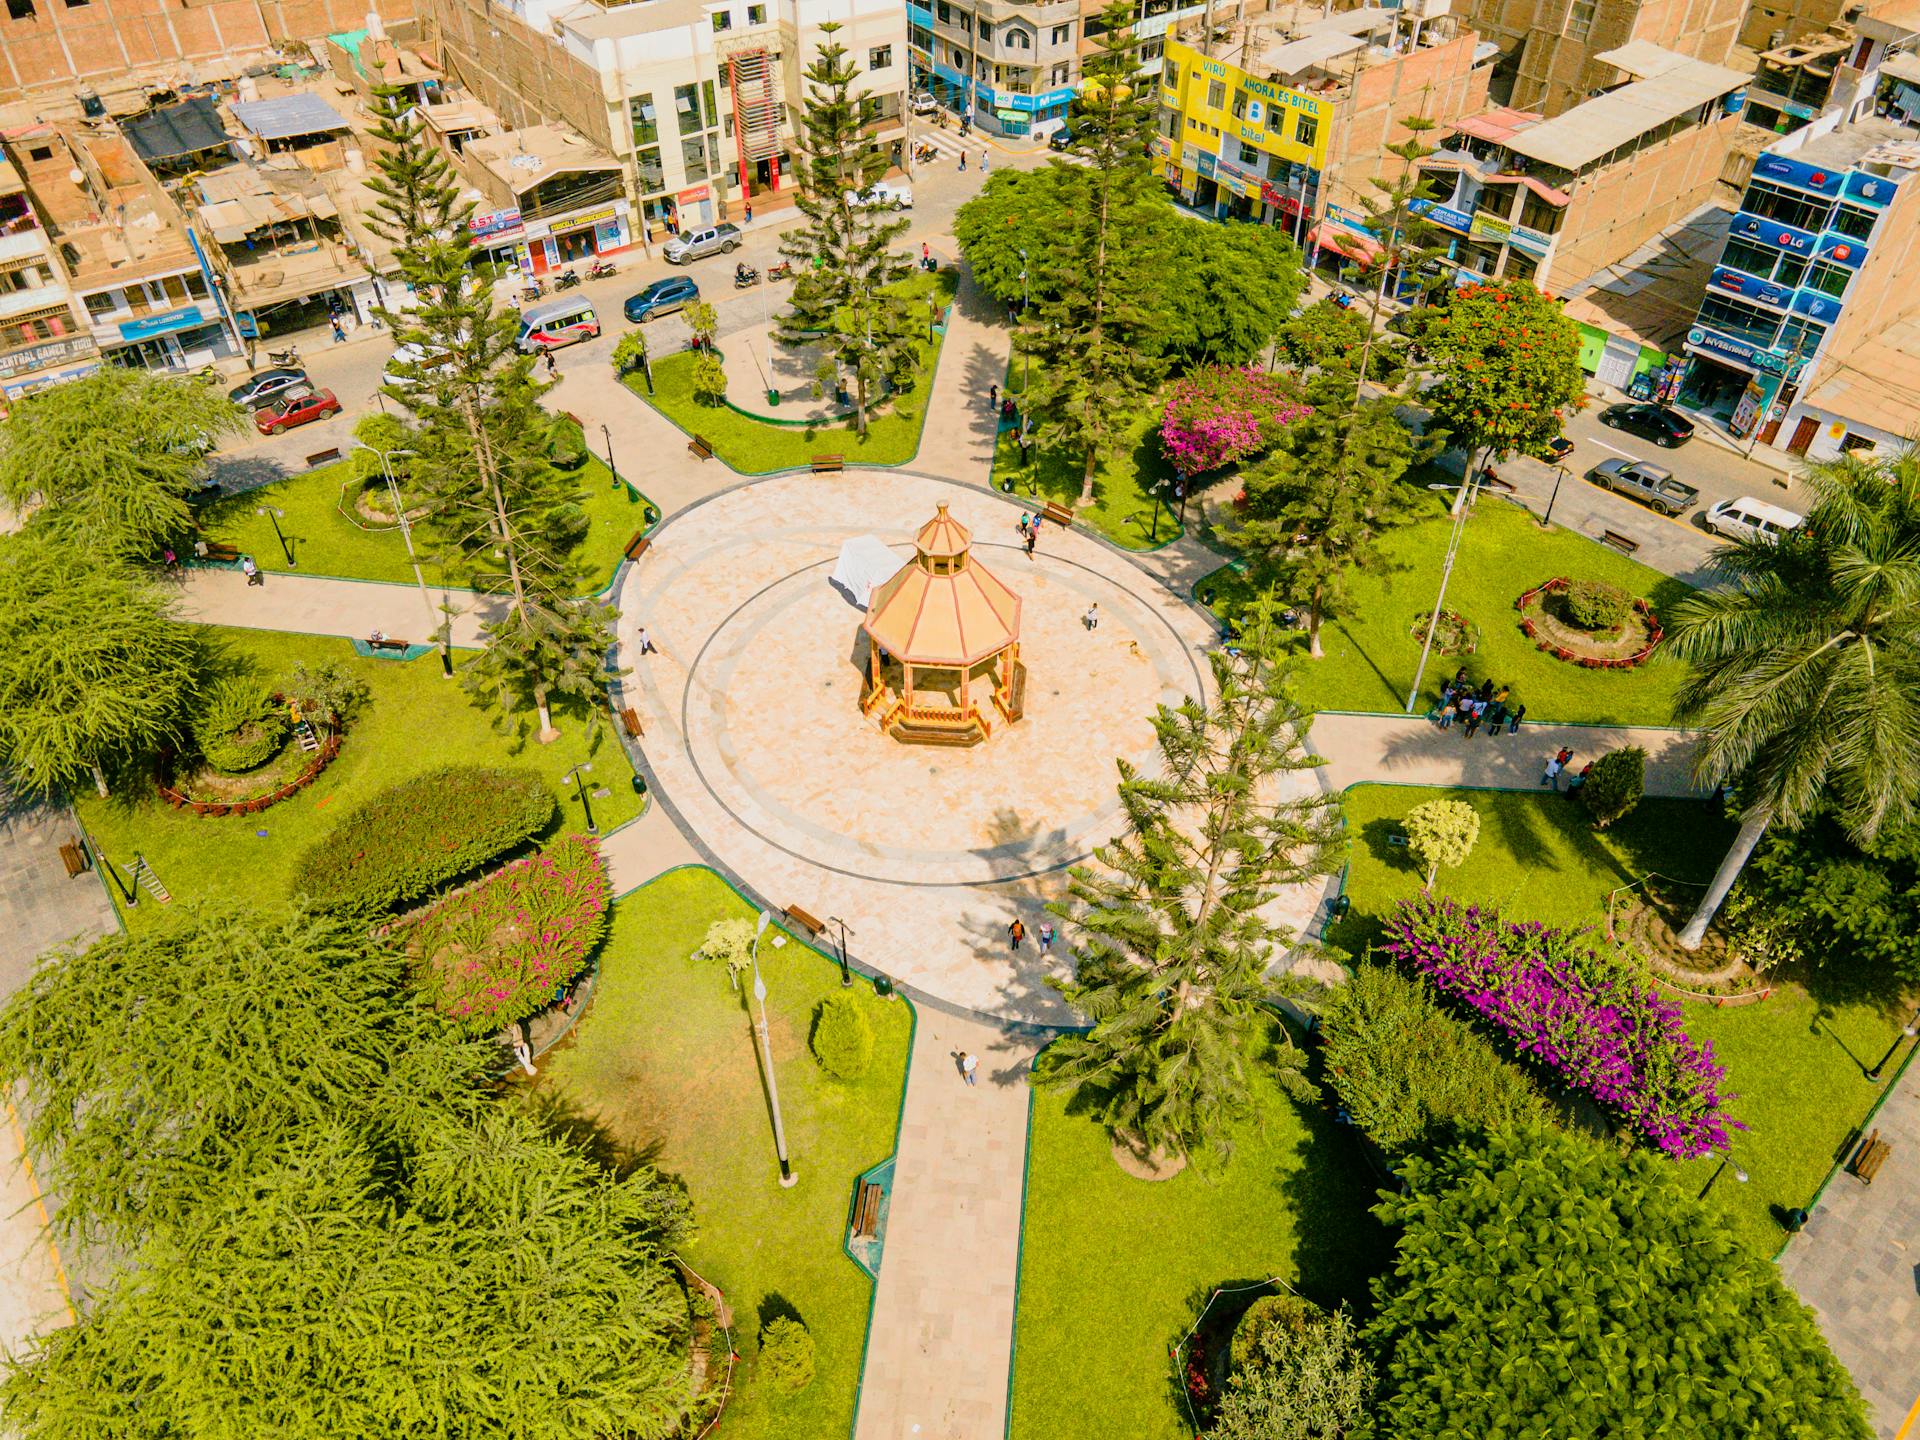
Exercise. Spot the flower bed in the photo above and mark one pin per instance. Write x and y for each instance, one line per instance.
(1220, 415)
(177, 792)
(1649, 622)
(1455, 635)
(503, 948)
(1573, 1009)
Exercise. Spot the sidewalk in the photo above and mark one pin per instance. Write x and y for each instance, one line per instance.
(33, 1286)
(957, 443)
(311, 605)
(1410, 750)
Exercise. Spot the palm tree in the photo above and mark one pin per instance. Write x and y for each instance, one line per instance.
(1806, 665)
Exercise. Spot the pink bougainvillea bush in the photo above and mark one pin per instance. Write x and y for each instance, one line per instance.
(501, 949)
(1219, 416)
(1576, 1011)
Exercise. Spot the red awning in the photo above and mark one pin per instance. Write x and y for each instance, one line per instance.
(1349, 243)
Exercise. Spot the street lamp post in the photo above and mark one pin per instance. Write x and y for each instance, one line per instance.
(1446, 573)
(787, 1176)
(607, 436)
(580, 786)
(443, 628)
(1907, 1032)
(846, 975)
(1558, 475)
(1026, 352)
(273, 517)
(1725, 1160)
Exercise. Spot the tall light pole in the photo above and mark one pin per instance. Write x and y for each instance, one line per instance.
(273, 517)
(1558, 475)
(787, 1176)
(434, 622)
(1907, 1032)
(1470, 484)
(846, 975)
(581, 787)
(1725, 1160)
(612, 469)
(1026, 354)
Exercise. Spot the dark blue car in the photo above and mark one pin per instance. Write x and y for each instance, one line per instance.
(662, 297)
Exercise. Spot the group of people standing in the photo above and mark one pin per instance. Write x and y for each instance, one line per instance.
(1490, 703)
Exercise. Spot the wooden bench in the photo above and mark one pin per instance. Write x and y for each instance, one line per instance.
(1626, 544)
(630, 722)
(805, 921)
(866, 1210)
(387, 642)
(638, 546)
(323, 457)
(216, 553)
(74, 858)
(1061, 515)
(700, 448)
(1869, 1157)
(829, 464)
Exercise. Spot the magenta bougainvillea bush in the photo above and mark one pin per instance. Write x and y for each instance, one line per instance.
(1577, 1012)
(1220, 415)
(502, 949)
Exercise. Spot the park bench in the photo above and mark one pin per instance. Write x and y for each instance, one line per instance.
(1869, 1157)
(1061, 515)
(630, 722)
(323, 457)
(74, 858)
(214, 552)
(1626, 544)
(829, 464)
(805, 921)
(866, 1210)
(700, 448)
(387, 642)
(638, 546)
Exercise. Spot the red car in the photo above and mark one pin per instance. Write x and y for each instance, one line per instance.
(301, 407)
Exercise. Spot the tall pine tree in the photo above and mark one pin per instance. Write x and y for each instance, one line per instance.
(496, 506)
(842, 255)
(1172, 969)
(1099, 336)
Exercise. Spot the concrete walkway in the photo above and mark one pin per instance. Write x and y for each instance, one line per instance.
(1858, 1265)
(313, 605)
(957, 443)
(33, 1286)
(1410, 750)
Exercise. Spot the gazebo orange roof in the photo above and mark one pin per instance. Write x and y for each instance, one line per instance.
(945, 608)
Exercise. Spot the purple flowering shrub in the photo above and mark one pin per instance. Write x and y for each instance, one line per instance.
(1574, 1010)
(500, 950)
(1220, 415)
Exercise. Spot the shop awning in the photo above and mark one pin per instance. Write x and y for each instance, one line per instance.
(1349, 243)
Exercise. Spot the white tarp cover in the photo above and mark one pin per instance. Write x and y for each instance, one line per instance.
(864, 565)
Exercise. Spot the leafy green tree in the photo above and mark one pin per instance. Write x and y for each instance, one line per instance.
(1614, 785)
(1547, 1285)
(842, 255)
(1016, 211)
(95, 672)
(110, 461)
(709, 380)
(630, 351)
(314, 1220)
(1172, 969)
(1304, 1382)
(704, 323)
(1441, 833)
(1100, 280)
(1506, 367)
(1804, 665)
(1812, 896)
(1330, 337)
(1237, 288)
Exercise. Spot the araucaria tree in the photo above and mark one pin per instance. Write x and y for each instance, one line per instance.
(94, 670)
(1547, 1285)
(495, 505)
(1173, 940)
(1096, 293)
(308, 1216)
(842, 256)
(1804, 666)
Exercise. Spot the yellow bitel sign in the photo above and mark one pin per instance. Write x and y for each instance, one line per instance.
(1289, 123)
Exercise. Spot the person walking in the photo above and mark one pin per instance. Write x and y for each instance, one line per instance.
(983, 162)
(1513, 719)
(647, 647)
(1486, 691)
(1025, 519)
(1496, 717)
(1551, 775)
(1578, 778)
(1033, 537)
(1092, 618)
(1016, 932)
(963, 162)
(1046, 937)
(339, 330)
(968, 1064)
(553, 366)
(254, 577)
(1460, 678)
(1473, 719)
(1447, 712)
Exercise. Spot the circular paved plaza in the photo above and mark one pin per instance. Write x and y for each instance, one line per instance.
(757, 744)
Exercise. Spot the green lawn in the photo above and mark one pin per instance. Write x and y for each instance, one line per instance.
(664, 1063)
(1124, 507)
(1113, 1270)
(1796, 1066)
(755, 447)
(413, 721)
(326, 542)
(1371, 653)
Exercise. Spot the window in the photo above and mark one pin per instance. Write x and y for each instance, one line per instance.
(986, 30)
(1306, 130)
(1239, 104)
(1019, 40)
(104, 303)
(1791, 269)
(756, 14)
(1151, 50)
(1738, 318)
(722, 20)
(1789, 207)
(646, 122)
(945, 12)
(880, 57)
(40, 152)
(1170, 73)
(1249, 155)
(653, 174)
(710, 117)
(919, 39)
(1855, 224)
(1829, 279)
(20, 9)
(1579, 19)
(1803, 336)
(1059, 76)
(686, 108)
(1062, 34)
(1216, 94)
(693, 155)
(1745, 255)
(196, 285)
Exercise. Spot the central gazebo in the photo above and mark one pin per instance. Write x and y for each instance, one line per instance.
(943, 644)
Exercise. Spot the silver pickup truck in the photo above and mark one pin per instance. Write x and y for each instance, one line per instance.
(1646, 482)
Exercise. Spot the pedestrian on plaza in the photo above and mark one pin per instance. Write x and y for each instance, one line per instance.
(749, 214)
(1551, 776)
(1007, 412)
(926, 256)
(1486, 691)
(553, 366)
(1016, 932)
(1500, 695)
(983, 162)
(1447, 712)
(339, 330)
(968, 1064)
(1092, 618)
(647, 647)
(1024, 519)
(1033, 537)
(1474, 708)
(1565, 756)
(1513, 719)
(1579, 778)
(993, 397)
(252, 571)
(1460, 678)
(1496, 717)
(1046, 937)
(963, 162)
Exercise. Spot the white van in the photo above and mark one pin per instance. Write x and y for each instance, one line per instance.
(557, 323)
(1751, 519)
(412, 357)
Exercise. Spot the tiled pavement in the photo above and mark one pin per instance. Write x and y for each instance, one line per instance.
(1858, 1265)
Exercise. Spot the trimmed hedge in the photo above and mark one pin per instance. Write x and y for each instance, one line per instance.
(241, 728)
(842, 1038)
(1596, 605)
(412, 838)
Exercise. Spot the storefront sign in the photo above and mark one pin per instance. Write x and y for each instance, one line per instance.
(695, 195)
(51, 353)
(1349, 220)
(1815, 305)
(1843, 250)
(1534, 242)
(1204, 163)
(148, 326)
(1489, 227)
(1874, 190)
(1767, 292)
(1789, 171)
(1445, 215)
(1771, 232)
(493, 222)
(1045, 100)
(1160, 147)
(1740, 352)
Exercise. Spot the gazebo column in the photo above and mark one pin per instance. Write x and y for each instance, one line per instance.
(906, 669)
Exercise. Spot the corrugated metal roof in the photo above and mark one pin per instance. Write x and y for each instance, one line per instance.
(175, 130)
(287, 115)
(1583, 134)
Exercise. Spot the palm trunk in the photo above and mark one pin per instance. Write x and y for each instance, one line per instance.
(100, 781)
(1313, 623)
(547, 733)
(1086, 480)
(1751, 829)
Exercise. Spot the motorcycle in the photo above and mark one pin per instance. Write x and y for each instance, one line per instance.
(566, 281)
(288, 358)
(533, 289)
(780, 270)
(745, 277)
(922, 153)
(601, 269)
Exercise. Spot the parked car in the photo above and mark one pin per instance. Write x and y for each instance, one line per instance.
(295, 407)
(1656, 422)
(1558, 449)
(882, 194)
(1751, 519)
(662, 297)
(922, 103)
(1061, 138)
(1646, 482)
(415, 358)
(256, 390)
(691, 245)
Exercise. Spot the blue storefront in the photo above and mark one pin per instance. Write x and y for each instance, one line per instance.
(1002, 112)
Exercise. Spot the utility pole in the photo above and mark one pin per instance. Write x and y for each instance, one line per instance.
(787, 1175)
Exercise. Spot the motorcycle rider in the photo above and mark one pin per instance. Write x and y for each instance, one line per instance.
(742, 274)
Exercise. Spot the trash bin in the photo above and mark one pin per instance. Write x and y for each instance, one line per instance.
(773, 396)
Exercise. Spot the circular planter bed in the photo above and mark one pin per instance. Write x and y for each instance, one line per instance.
(1545, 621)
(373, 504)
(1456, 635)
(207, 791)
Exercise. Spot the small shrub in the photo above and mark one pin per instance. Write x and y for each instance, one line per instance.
(324, 691)
(842, 1039)
(786, 1353)
(241, 727)
(415, 836)
(1269, 1313)
(1614, 785)
(1596, 605)
(731, 943)
(1314, 1383)
(709, 379)
(1442, 832)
